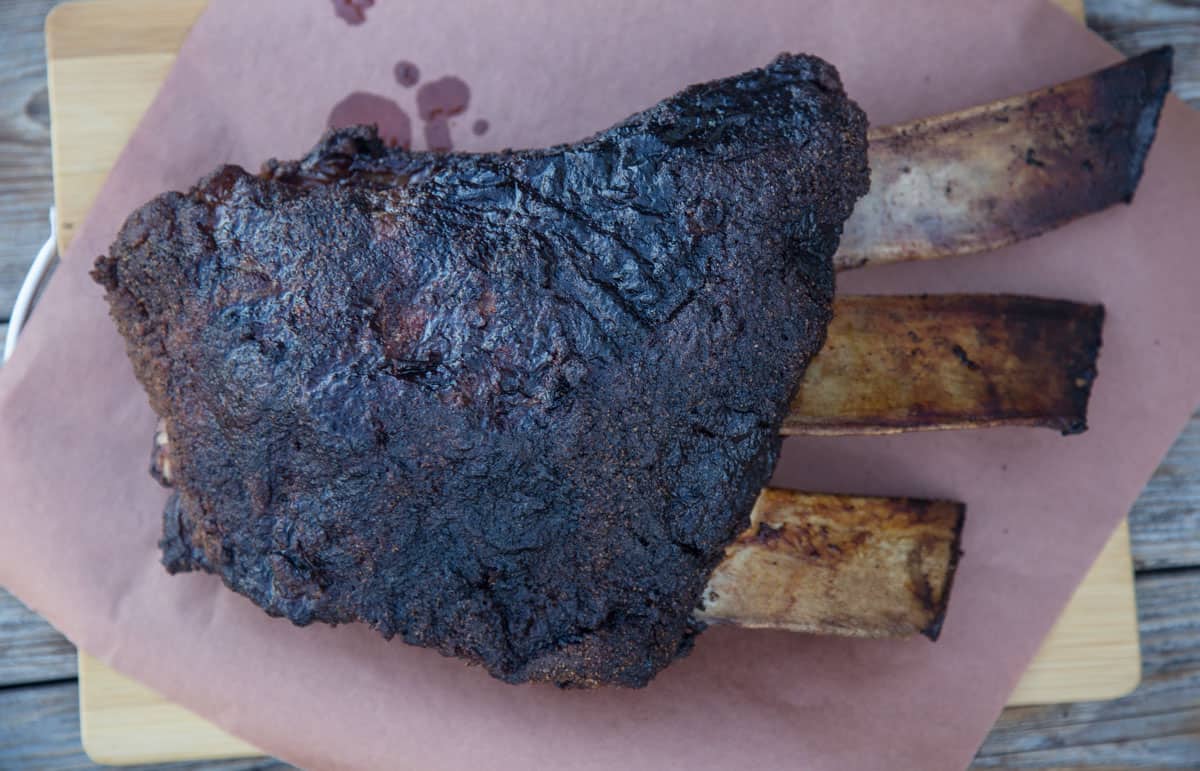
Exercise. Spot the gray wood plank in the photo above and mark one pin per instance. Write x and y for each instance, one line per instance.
(31, 651)
(25, 183)
(1158, 725)
(1138, 25)
(39, 729)
(1165, 521)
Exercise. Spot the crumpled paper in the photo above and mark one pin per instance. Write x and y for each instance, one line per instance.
(81, 517)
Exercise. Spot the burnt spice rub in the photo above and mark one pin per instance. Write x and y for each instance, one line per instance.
(508, 406)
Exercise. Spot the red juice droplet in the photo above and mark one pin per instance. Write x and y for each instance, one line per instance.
(352, 12)
(443, 98)
(361, 108)
(407, 74)
(437, 102)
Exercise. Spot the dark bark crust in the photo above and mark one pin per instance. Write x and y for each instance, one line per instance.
(511, 407)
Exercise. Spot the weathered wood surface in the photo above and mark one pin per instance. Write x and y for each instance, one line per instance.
(25, 190)
(1165, 522)
(31, 651)
(39, 729)
(1157, 726)
(1139, 25)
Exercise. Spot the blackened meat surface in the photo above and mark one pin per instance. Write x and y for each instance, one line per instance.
(509, 406)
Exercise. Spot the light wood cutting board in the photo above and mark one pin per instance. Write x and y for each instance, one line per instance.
(106, 59)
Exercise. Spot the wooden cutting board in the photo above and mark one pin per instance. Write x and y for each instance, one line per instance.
(106, 59)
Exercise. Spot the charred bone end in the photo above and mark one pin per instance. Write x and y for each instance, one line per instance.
(1149, 80)
(941, 604)
(1082, 367)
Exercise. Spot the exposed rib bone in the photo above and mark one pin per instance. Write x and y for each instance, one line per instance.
(913, 363)
(990, 175)
(840, 565)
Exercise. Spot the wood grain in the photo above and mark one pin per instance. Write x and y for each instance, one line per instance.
(113, 82)
(1092, 652)
(1073, 7)
(1158, 725)
(25, 188)
(31, 650)
(136, 725)
(39, 729)
(1135, 26)
(1166, 518)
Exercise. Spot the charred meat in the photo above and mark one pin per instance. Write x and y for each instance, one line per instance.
(513, 406)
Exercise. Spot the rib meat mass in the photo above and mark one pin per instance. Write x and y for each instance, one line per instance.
(509, 406)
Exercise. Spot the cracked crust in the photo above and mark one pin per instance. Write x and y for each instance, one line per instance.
(512, 407)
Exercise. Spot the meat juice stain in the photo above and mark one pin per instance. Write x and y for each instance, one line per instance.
(395, 127)
(407, 74)
(353, 12)
(437, 102)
